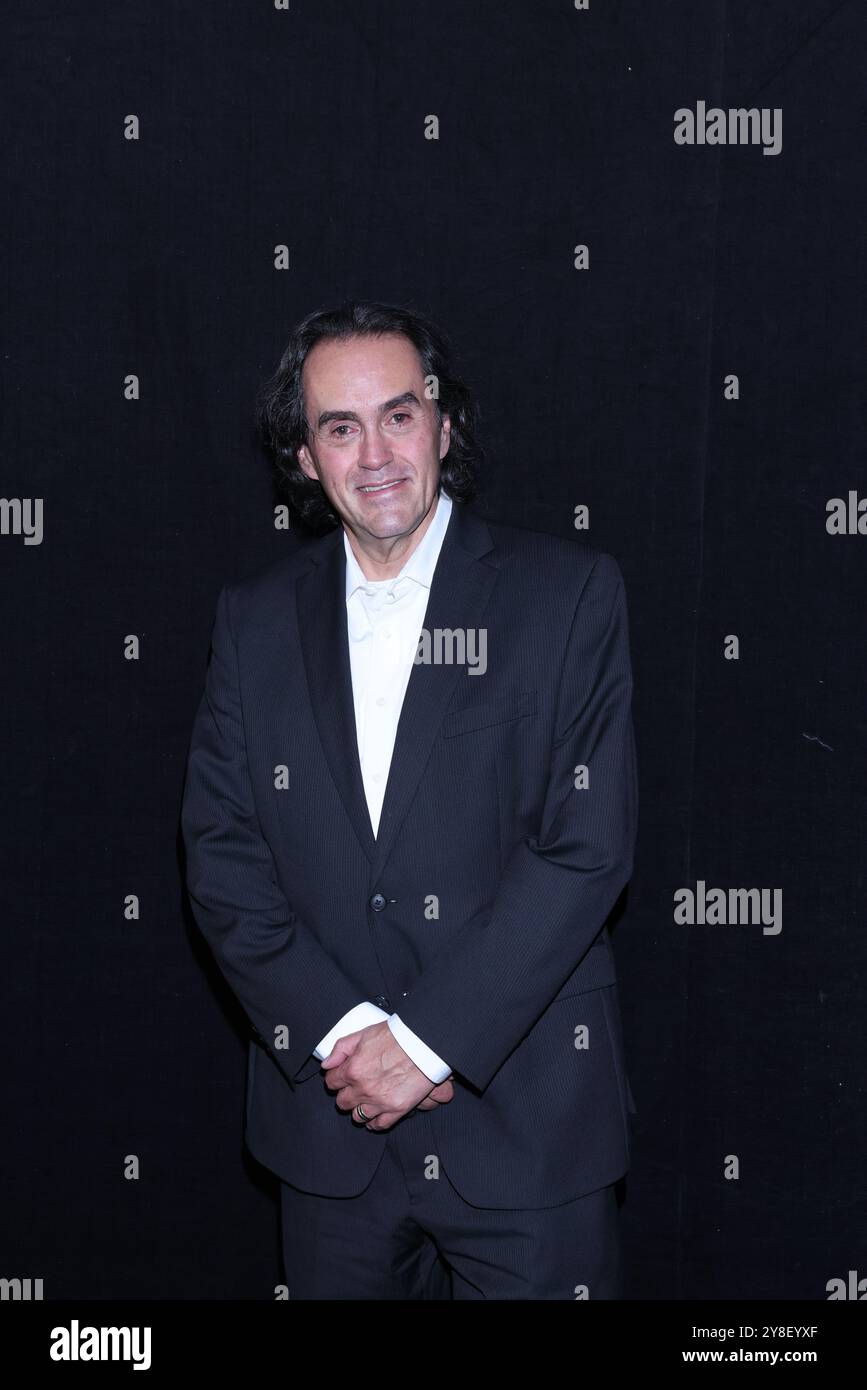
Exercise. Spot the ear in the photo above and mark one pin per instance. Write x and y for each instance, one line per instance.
(445, 435)
(306, 462)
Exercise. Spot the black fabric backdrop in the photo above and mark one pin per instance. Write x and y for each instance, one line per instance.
(604, 386)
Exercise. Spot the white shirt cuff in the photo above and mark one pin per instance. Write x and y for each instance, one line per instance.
(434, 1068)
(359, 1017)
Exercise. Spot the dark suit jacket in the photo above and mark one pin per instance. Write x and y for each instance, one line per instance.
(479, 911)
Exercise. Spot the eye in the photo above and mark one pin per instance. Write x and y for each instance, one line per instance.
(401, 415)
(340, 427)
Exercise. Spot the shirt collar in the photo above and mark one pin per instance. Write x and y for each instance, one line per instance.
(422, 562)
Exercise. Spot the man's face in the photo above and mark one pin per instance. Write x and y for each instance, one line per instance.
(375, 438)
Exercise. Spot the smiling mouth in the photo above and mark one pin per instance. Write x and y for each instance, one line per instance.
(371, 488)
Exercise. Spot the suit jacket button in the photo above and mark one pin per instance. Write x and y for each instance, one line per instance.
(377, 902)
(382, 1003)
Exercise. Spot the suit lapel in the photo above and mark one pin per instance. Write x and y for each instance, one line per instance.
(461, 587)
(321, 602)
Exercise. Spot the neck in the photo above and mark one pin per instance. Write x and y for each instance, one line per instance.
(384, 559)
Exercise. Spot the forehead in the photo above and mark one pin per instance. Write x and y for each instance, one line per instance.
(360, 369)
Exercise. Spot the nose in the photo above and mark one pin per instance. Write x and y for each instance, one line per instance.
(375, 451)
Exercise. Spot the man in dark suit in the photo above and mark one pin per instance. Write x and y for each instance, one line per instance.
(410, 808)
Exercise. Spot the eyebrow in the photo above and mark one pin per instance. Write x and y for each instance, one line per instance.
(407, 398)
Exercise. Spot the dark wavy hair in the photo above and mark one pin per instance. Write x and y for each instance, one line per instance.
(282, 423)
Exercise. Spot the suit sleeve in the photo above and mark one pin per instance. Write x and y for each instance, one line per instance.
(479, 999)
(286, 983)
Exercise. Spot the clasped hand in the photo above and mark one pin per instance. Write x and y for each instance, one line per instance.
(371, 1069)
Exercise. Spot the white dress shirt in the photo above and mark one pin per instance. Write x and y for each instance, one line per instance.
(384, 619)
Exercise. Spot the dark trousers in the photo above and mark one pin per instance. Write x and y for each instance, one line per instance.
(410, 1235)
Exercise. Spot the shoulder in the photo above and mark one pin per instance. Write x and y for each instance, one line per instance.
(267, 587)
(560, 563)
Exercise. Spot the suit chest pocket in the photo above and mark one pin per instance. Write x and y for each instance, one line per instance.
(486, 713)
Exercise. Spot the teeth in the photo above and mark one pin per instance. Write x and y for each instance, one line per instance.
(379, 486)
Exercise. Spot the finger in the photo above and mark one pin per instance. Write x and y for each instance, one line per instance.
(385, 1120)
(338, 1054)
(444, 1092)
